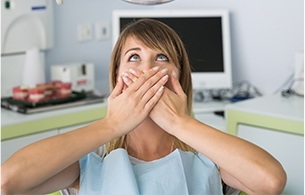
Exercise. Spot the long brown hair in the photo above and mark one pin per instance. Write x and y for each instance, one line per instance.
(155, 35)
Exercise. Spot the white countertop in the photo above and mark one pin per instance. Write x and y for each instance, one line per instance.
(273, 105)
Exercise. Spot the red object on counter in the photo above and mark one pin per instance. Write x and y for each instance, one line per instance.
(56, 83)
(63, 90)
(20, 93)
(49, 90)
(43, 92)
(36, 95)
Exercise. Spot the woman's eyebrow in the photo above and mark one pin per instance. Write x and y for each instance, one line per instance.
(135, 48)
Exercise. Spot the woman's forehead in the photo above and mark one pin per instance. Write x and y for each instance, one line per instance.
(134, 42)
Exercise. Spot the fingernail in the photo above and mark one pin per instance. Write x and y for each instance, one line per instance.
(125, 74)
(164, 70)
(156, 68)
(132, 71)
(165, 78)
(161, 89)
(125, 78)
(174, 74)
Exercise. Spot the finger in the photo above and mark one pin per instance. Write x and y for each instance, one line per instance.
(155, 98)
(155, 89)
(176, 84)
(135, 72)
(127, 79)
(143, 78)
(130, 76)
(160, 78)
(118, 88)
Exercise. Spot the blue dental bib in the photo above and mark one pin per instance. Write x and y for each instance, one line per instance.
(179, 173)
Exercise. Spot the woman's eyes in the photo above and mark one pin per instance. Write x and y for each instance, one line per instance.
(136, 58)
(162, 57)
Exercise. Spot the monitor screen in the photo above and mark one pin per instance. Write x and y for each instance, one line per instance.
(205, 34)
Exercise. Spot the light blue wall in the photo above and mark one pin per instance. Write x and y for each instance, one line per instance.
(265, 35)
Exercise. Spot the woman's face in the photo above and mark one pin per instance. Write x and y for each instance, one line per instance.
(137, 56)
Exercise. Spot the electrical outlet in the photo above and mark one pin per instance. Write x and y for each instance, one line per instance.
(102, 30)
(84, 32)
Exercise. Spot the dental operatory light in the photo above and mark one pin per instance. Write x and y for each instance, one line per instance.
(148, 2)
(139, 2)
(59, 2)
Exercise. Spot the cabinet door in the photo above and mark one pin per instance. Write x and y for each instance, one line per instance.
(8, 147)
(287, 148)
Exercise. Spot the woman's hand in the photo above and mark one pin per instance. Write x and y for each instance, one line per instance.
(170, 107)
(127, 108)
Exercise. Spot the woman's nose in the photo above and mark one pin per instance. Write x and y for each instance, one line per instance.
(147, 65)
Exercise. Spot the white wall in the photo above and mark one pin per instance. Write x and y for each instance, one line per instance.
(265, 35)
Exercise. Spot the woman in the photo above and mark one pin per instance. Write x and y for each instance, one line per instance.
(148, 143)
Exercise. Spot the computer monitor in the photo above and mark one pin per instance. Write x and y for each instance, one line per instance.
(206, 35)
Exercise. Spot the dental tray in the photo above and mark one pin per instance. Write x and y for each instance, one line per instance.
(24, 107)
